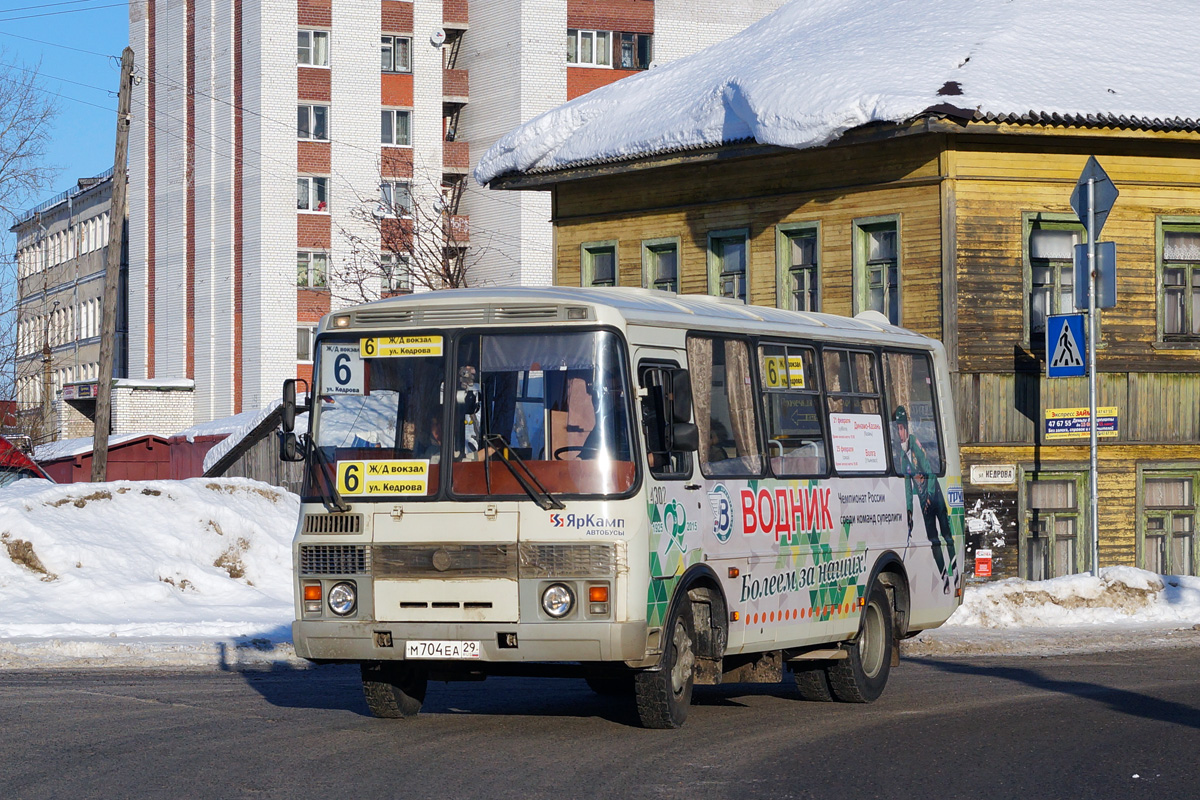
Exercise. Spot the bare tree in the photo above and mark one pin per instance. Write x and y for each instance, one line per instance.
(407, 237)
(27, 112)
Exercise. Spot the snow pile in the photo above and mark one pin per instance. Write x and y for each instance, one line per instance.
(812, 70)
(1117, 595)
(194, 558)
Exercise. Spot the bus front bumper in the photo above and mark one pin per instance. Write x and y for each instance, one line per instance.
(326, 640)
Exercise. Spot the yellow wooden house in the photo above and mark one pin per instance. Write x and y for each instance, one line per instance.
(940, 197)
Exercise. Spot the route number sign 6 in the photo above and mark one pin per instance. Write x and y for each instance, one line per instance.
(341, 370)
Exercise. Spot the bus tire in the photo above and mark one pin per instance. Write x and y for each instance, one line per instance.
(664, 694)
(812, 683)
(861, 676)
(393, 689)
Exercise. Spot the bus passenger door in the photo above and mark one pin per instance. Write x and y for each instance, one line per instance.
(673, 496)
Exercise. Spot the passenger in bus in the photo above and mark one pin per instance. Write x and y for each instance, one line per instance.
(920, 481)
(432, 449)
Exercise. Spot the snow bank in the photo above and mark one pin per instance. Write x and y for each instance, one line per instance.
(1117, 595)
(194, 558)
(812, 70)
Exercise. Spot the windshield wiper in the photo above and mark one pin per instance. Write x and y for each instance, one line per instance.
(333, 501)
(529, 483)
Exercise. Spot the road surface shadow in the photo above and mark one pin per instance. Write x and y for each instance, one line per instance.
(340, 687)
(1120, 700)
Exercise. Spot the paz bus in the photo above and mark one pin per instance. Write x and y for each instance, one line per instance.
(646, 490)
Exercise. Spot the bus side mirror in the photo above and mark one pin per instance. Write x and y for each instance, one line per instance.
(289, 403)
(290, 448)
(685, 437)
(680, 396)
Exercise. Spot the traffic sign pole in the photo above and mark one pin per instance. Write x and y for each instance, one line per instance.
(1092, 345)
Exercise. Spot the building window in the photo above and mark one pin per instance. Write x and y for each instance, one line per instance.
(598, 264)
(395, 127)
(395, 199)
(1179, 290)
(728, 267)
(589, 48)
(311, 269)
(312, 48)
(1050, 254)
(1053, 524)
(660, 264)
(637, 50)
(397, 277)
(798, 276)
(312, 122)
(877, 267)
(1169, 514)
(305, 336)
(394, 52)
(312, 194)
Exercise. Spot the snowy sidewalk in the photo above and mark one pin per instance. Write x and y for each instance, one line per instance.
(198, 574)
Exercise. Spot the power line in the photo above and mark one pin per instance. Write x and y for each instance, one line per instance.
(59, 13)
(62, 46)
(49, 5)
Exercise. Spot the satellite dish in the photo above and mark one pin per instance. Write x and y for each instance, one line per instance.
(438, 38)
(653, 64)
(380, 212)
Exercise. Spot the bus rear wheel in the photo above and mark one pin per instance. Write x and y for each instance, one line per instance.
(393, 689)
(812, 683)
(861, 676)
(663, 695)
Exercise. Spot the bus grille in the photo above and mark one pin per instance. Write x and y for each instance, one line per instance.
(566, 560)
(334, 559)
(444, 561)
(332, 523)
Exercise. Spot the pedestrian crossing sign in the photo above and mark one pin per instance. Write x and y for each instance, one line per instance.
(1065, 346)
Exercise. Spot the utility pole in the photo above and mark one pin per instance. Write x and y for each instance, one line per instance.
(112, 273)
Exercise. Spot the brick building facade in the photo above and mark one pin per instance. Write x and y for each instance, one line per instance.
(228, 116)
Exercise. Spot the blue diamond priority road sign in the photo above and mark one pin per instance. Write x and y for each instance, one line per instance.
(1066, 356)
(1106, 194)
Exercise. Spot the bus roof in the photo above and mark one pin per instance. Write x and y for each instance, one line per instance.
(632, 306)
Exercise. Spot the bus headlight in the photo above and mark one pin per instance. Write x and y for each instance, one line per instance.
(343, 598)
(558, 600)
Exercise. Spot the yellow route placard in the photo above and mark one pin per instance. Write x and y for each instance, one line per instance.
(400, 346)
(781, 373)
(399, 476)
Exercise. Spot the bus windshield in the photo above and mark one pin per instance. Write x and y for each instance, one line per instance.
(559, 401)
(385, 426)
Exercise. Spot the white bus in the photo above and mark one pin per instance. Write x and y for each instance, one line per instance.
(647, 490)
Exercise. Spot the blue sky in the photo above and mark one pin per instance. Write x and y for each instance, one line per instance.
(83, 134)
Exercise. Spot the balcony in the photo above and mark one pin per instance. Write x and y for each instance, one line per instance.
(456, 158)
(458, 230)
(455, 86)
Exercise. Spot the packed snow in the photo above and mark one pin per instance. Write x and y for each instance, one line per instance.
(814, 69)
(199, 573)
(92, 570)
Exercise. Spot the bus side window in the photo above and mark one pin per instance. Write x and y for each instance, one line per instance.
(912, 413)
(664, 464)
(792, 400)
(724, 401)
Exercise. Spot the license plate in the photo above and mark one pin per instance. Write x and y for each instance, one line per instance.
(441, 650)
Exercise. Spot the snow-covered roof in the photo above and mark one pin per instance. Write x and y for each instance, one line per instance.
(814, 69)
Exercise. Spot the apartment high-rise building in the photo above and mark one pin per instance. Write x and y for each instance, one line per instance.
(237, 102)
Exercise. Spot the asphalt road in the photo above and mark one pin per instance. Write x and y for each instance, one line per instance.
(1119, 725)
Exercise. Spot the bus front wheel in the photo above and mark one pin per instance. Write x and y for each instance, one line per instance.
(393, 689)
(861, 676)
(663, 695)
